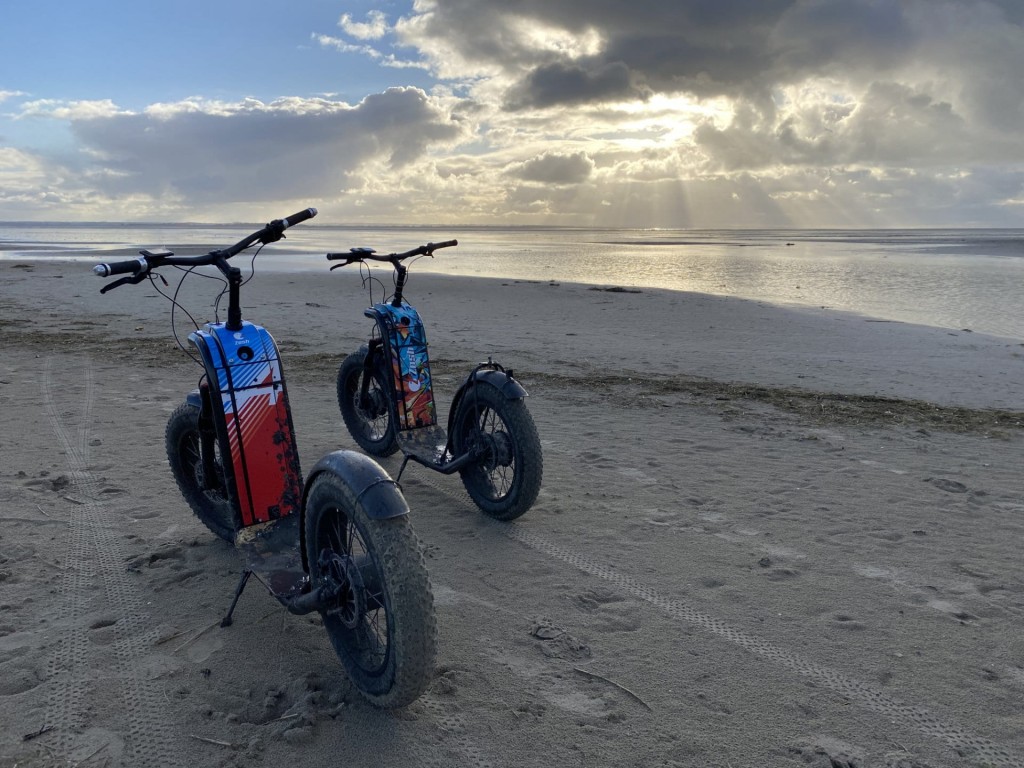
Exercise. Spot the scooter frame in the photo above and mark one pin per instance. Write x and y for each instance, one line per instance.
(401, 345)
(328, 544)
(244, 411)
(501, 468)
(243, 405)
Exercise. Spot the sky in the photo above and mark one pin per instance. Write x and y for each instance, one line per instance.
(588, 113)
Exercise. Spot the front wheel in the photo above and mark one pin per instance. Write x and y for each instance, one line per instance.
(369, 416)
(382, 625)
(505, 482)
(208, 497)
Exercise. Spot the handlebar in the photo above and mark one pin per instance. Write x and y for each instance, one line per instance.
(119, 267)
(356, 255)
(150, 260)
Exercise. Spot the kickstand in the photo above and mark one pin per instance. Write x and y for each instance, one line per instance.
(226, 621)
(402, 468)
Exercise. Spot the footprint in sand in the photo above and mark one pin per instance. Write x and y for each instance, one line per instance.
(18, 678)
(45, 482)
(847, 622)
(612, 612)
(570, 694)
(950, 486)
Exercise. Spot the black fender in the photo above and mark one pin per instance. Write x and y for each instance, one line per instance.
(375, 491)
(380, 497)
(509, 387)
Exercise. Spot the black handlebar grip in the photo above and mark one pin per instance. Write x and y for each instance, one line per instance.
(120, 267)
(298, 218)
(445, 244)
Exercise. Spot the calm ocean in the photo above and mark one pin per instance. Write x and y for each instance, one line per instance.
(963, 278)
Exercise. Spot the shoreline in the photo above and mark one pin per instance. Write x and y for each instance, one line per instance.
(278, 265)
(895, 275)
(667, 337)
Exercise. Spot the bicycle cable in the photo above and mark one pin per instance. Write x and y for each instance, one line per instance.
(252, 265)
(368, 279)
(175, 305)
(252, 274)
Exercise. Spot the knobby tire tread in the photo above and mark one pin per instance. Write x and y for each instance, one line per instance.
(529, 459)
(218, 515)
(349, 374)
(410, 603)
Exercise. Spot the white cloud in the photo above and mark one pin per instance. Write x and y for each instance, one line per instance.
(288, 149)
(70, 110)
(20, 170)
(554, 168)
(342, 46)
(385, 60)
(374, 28)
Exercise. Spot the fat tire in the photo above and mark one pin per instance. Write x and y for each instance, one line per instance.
(213, 507)
(407, 663)
(360, 424)
(527, 472)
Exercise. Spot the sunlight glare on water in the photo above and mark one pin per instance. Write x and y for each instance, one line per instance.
(949, 278)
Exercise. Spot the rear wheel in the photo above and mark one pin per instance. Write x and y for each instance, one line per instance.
(382, 625)
(505, 482)
(369, 417)
(184, 453)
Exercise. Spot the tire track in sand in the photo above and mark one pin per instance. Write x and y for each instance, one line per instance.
(93, 578)
(977, 749)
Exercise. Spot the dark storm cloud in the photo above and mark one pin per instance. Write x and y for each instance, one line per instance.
(745, 49)
(706, 47)
(289, 149)
(553, 168)
(897, 83)
(562, 84)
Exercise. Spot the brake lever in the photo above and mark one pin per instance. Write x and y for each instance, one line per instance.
(133, 279)
(276, 232)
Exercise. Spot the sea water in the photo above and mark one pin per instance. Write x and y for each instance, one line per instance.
(951, 278)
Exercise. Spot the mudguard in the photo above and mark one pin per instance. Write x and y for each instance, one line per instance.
(252, 418)
(500, 380)
(379, 495)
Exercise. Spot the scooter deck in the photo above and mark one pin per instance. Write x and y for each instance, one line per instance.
(424, 443)
(271, 552)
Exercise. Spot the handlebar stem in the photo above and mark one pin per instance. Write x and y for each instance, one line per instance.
(234, 278)
(401, 271)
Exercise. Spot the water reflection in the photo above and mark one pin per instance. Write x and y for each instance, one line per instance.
(950, 278)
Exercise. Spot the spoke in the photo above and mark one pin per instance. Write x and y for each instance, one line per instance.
(192, 450)
(369, 640)
(500, 478)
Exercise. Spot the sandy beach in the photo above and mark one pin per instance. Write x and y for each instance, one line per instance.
(766, 537)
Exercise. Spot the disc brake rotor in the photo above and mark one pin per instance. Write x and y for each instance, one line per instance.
(343, 578)
(496, 450)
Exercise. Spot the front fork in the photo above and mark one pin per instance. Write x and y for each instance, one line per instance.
(207, 439)
(374, 347)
